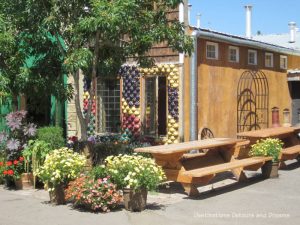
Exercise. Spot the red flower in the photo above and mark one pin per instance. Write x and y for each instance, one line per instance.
(5, 172)
(16, 162)
(1, 163)
(9, 163)
(10, 172)
(21, 159)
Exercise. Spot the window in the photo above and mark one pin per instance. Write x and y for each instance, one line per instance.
(108, 105)
(252, 57)
(269, 59)
(233, 54)
(283, 62)
(212, 50)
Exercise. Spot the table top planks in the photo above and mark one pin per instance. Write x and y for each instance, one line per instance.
(187, 146)
(268, 132)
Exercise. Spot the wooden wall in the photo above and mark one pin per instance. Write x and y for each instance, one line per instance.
(217, 88)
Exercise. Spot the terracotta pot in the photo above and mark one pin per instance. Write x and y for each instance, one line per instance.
(135, 200)
(27, 180)
(270, 169)
(18, 184)
(57, 196)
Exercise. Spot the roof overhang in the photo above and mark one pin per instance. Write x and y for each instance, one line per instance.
(293, 75)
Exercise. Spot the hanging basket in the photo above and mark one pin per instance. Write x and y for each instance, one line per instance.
(135, 200)
(57, 196)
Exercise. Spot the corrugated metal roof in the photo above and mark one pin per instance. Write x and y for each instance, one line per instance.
(280, 39)
(262, 44)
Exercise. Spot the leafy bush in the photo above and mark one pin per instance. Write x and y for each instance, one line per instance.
(99, 172)
(51, 135)
(96, 195)
(105, 149)
(267, 147)
(134, 171)
(61, 166)
(35, 154)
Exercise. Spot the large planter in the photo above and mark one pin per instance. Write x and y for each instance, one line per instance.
(57, 196)
(135, 200)
(25, 181)
(270, 169)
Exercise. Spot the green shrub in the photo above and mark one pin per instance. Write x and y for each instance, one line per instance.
(51, 135)
(99, 172)
(267, 147)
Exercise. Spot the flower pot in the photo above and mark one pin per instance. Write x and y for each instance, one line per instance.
(27, 180)
(135, 200)
(18, 184)
(24, 182)
(270, 169)
(57, 196)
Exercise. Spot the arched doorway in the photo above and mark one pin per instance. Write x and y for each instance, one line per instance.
(253, 101)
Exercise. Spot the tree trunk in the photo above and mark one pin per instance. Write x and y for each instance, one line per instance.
(14, 103)
(94, 75)
(82, 122)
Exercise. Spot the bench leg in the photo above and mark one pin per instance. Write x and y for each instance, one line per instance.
(240, 175)
(282, 165)
(190, 189)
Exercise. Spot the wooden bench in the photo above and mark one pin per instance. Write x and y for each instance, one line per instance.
(290, 153)
(212, 170)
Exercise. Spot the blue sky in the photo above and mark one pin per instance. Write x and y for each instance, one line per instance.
(268, 16)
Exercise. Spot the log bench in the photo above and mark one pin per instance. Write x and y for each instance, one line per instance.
(194, 170)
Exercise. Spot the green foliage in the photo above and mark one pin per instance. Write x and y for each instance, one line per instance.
(35, 154)
(267, 147)
(99, 172)
(52, 135)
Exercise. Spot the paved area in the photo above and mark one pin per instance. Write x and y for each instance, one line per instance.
(272, 201)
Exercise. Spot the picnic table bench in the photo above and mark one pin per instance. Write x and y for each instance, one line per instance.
(193, 170)
(289, 136)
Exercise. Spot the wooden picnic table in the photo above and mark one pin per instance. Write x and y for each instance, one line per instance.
(289, 136)
(192, 170)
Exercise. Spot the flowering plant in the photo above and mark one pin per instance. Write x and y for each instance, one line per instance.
(12, 170)
(267, 147)
(60, 166)
(20, 133)
(99, 194)
(134, 171)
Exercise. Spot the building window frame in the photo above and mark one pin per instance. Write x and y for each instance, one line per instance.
(237, 54)
(212, 50)
(284, 59)
(254, 52)
(270, 63)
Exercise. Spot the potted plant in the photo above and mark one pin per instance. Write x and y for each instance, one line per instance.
(61, 166)
(12, 171)
(35, 154)
(136, 175)
(268, 147)
(93, 194)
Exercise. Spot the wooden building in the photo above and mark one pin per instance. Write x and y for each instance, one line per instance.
(229, 84)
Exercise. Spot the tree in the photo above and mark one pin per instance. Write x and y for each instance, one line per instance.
(100, 35)
(30, 63)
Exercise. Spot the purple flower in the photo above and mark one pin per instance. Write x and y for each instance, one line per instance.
(13, 144)
(92, 139)
(14, 119)
(30, 130)
(3, 137)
